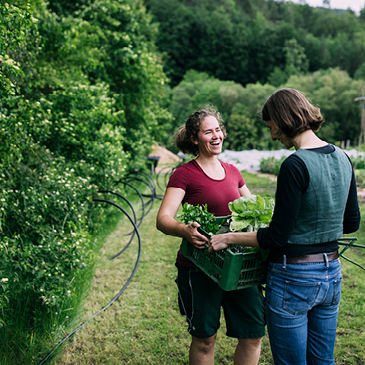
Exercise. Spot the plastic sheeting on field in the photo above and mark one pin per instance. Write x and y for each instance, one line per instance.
(250, 159)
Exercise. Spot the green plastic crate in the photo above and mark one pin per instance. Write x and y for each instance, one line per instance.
(231, 270)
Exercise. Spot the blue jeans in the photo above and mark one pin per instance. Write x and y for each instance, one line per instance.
(301, 307)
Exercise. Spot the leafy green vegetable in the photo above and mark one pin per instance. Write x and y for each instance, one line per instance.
(201, 215)
(251, 212)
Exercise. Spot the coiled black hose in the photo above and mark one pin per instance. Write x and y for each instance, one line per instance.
(134, 216)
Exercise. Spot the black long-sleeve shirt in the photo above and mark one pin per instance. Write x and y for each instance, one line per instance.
(293, 181)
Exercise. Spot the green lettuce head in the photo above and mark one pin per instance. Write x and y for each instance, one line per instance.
(251, 212)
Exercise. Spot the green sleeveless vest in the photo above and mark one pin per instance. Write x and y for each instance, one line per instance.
(323, 204)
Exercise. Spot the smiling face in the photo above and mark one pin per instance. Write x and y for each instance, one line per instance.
(286, 141)
(210, 137)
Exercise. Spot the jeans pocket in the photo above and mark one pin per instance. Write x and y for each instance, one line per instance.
(299, 297)
(336, 291)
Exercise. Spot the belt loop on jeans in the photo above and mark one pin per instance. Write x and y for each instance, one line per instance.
(284, 261)
(326, 260)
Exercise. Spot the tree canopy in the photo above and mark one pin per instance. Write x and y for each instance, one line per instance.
(247, 41)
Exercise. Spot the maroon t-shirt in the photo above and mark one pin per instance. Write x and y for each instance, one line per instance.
(201, 189)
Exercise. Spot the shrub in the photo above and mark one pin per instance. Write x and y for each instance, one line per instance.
(44, 209)
(271, 165)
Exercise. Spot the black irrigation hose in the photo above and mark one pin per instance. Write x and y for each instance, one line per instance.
(135, 221)
(142, 201)
(146, 175)
(150, 179)
(152, 196)
(146, 182)
(167, 173)
(343, 241)
(120, 292)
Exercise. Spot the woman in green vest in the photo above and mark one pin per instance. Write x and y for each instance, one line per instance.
(315, 204)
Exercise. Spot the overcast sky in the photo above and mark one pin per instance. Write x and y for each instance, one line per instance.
(355, 5)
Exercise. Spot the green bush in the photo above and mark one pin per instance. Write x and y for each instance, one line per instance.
(358, 162)
(44, 213)
(57, 150)
(360, 177)
(271, 165)
(85, 128)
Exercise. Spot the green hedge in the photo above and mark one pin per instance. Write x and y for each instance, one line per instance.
(63, 138)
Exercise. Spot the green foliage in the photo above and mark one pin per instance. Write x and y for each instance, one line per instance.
(271, 165)
(251, 41)
(360, 175)
(107, 46)
(129, 63)
(242, 132)
(296, 63)
(251, 212)
(44, 210)
(240, 107)
(84, 127)
(360, 72)
(16, 25)
(82, 99)
(200, 214)
(358, 162)
(334, 92)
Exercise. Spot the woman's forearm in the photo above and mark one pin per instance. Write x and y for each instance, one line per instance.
(221, 241)
(168, 225)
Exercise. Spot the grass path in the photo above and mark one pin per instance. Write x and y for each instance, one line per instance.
(144, 326)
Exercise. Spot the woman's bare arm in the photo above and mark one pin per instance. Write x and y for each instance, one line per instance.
(221, 241)
(167, 223)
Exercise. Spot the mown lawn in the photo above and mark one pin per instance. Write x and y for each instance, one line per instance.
(144, 325)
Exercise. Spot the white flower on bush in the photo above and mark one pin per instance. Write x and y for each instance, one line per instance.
(4, 280)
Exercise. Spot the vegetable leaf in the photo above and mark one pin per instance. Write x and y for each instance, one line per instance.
(251, 212)
(201, 215)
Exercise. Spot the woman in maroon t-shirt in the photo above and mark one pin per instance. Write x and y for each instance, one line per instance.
(206, 180)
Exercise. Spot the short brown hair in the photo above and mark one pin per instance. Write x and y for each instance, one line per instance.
(291, 111)
(191, 129)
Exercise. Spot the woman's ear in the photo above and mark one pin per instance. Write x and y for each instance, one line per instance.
(192, 139)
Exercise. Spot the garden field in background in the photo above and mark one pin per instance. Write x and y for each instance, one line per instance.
(144, 325)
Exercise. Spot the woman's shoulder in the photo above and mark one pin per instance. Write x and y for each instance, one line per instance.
(231, 171)
(292, 163)
(188, 165)
(228, 165)
(185, 167)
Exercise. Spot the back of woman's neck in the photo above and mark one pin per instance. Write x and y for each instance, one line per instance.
(307, 140)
